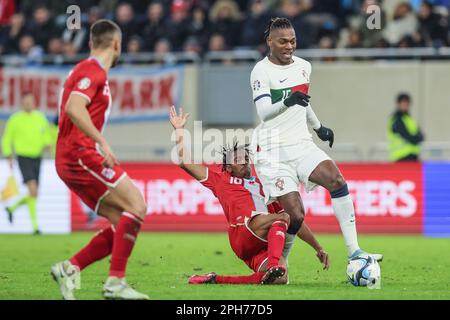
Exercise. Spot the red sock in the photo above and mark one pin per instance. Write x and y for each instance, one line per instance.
(251, 279)
(124, 238)
(98, 248)
(275, 240)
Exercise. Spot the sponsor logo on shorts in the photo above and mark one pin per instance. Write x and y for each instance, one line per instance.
(280, 184)
(108, 173)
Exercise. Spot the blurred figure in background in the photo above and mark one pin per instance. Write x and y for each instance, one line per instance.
(26, 136)
(226, 19)
(404, 23)
(404, 134)
(153, 26)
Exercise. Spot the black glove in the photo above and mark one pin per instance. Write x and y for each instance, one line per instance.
(325, 134)
(297, 98)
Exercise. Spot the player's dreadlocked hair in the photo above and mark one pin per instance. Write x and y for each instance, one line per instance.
(228, 152)
(277, 23)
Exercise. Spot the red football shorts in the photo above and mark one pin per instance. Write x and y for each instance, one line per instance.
(83, 172)
(248, 246)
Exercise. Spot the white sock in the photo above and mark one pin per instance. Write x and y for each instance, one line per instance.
(288, 243)
(345, 213)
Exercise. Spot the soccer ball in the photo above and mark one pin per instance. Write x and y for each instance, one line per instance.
(363, 271)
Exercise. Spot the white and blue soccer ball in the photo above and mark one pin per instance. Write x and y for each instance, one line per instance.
(364, 271)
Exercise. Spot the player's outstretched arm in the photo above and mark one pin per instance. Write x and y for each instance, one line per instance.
(178, 122)
(306, 235)
(76, 110)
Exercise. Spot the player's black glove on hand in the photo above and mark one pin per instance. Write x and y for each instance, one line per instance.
(297, 98)
(325, 134)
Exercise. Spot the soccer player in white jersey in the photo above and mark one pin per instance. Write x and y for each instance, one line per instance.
(285, 152)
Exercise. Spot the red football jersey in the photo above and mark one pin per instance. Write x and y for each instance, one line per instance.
(239, 197)
(88, 79)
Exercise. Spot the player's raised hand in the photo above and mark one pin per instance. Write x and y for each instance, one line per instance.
(323, 258)
(109, 159)
(177, 120)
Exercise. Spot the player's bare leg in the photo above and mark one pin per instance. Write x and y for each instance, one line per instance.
(67, 273)
(272, 227)
(128, 198)
(328, 176)
(293, 205)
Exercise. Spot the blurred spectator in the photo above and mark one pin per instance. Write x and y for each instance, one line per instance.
(403, 24)
(192, 45)
(255, 24)
(28, 48)
(77, 37)
(370, 37)
(199, 25)
(354, 39)
(295, 12)
(153, 27)
(42, 27)
(177, 25)
(433, 26)
(94, 13)
(404, 135)
(125, 19)
(55, 46)
(338, 9)
(134, 45)
(163, 53)
(327, 42)
(7, 9)
(217, 43)
(406, 42)
(225, 19)
(14, 32)
(69, 50)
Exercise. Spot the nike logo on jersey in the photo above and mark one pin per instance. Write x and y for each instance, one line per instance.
(281, 81)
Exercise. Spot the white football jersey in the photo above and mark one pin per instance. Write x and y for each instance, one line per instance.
(289, 128)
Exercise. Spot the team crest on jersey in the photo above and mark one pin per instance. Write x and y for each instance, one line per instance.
(280, 184)
(256, 85)
(84, 83)
(108, 173)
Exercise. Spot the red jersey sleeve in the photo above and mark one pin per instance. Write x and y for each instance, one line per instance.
(275, 207)
(212, 181)
(87, 81)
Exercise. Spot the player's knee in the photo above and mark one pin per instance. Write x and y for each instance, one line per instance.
(139, 209)
(336, 182)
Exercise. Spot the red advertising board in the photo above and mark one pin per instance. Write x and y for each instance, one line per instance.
(388, 198)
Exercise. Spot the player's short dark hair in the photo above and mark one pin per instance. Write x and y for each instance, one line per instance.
(102, 33)
(277, 23)
(229, 152)
(403, 96)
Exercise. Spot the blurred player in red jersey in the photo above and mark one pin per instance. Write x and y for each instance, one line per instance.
(256, 231)
(87, 165)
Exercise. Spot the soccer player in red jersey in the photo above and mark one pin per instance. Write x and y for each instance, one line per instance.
(87, 165)
(256, 231)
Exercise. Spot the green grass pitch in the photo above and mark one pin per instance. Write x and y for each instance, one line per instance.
(414, 267)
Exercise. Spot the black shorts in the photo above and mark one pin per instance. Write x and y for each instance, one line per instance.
(30, 168)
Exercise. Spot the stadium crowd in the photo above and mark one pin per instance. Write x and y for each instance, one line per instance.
(33, 28)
